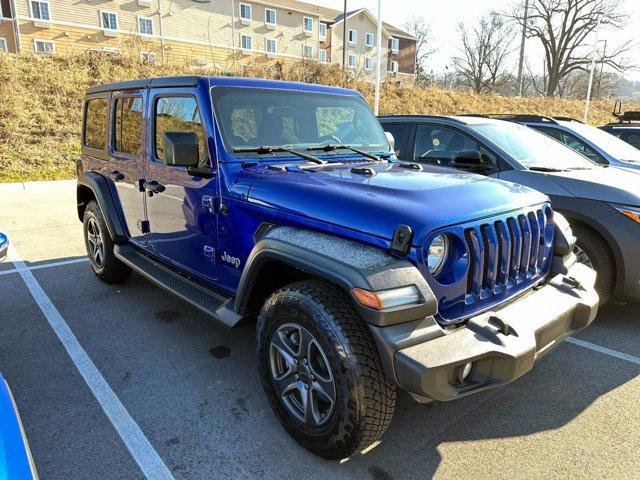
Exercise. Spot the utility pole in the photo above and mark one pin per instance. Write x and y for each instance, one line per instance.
(591, 72)
(522, 43)
(378, 58)
(344, 36)
(604, 55)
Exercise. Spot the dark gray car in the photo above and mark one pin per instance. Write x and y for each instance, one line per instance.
(602, 202)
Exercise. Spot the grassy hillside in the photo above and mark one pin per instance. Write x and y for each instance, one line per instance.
(41, 103)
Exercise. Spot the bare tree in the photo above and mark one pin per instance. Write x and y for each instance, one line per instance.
(421, 29)
(485, 49)
(564, 28)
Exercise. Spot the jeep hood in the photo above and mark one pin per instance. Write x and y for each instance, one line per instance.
(608, 184)
(376, 204)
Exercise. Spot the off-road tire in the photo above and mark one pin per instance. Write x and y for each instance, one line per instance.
(600, 256)
(110, 269)
(364, 399)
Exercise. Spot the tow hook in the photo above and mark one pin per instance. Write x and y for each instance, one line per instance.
(573, 282)
(500, 324)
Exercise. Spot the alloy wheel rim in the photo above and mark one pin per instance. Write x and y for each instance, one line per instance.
(95, 243)
(583, 257)
(301, 375)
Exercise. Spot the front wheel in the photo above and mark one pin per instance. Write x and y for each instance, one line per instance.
(593, 251)
(320, 370)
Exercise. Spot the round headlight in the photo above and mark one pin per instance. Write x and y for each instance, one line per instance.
(437, 254)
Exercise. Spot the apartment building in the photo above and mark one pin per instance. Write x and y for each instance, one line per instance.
(225, 33)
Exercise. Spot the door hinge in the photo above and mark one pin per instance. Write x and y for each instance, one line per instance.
(211, 203)
(143, 226)
(209, 252)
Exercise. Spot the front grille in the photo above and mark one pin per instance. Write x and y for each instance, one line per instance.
(505, 253)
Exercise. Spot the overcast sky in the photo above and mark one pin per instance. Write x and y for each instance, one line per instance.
(444, 16)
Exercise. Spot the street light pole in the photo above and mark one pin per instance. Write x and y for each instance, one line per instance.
(344, 36)
(378, 58)
(604, 55)
(522, 43)
(592, 70)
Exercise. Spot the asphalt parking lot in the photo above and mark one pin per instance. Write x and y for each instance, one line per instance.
(128, 382)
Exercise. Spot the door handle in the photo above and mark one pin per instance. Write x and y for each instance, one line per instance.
(116, 176)
(153, 187)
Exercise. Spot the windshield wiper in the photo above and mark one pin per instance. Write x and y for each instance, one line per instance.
(545, 169)
(264, 149)
(335, 146)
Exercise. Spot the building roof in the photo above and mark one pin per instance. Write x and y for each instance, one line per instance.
(330, 15)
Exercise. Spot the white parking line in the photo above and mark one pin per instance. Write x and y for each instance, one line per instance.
(143, 453)
(47, 265)
(605, 350)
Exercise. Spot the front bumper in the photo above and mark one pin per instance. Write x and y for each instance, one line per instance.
(501, 345)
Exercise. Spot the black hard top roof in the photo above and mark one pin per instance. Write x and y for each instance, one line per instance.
(146, 83)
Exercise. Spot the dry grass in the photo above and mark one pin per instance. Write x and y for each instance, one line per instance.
(41, 103)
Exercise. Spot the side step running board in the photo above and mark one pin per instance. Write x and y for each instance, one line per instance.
(220, 308)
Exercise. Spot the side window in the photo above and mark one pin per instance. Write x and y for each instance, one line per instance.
(574, 143)
(178, 114)
(633, 139)
(127, 128)
(95, 124)
(398, 130)
(438, 145)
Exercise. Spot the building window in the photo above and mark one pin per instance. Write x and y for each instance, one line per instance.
(368, 63)
(322, 55)
(40, 10)
(148, 57)
(307, 51)
(43, 46)
(96, 119)
(145, 26)
(272, 46)
(368, 39)
(245, 11)
(393, 66)
(351, 61)
(395, 45)
(322, 30)
(353, 37)
(127, 126)
(246, 42)
(3, 45)
(307, 24)
(270, 16)
(109, 20)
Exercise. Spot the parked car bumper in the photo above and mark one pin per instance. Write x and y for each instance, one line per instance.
(500, 346)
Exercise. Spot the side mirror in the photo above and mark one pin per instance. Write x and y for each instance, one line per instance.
(4, 246)
(181, 149)
(392, 141)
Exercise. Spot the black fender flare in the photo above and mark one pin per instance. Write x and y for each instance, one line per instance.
(344, 262)
(99, 186)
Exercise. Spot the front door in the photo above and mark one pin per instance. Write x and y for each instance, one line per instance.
(125, 167)
(182, 219)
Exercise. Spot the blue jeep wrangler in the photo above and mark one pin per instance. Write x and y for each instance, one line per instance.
(283, 203)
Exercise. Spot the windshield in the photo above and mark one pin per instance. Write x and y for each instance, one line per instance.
(254, 117)
(532, 149)
(609, 143)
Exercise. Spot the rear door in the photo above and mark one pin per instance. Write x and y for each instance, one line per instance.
(182, 218)
(126, 159)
